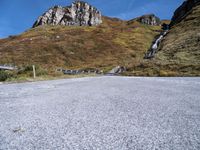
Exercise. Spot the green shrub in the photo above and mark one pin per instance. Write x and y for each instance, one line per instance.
(28, 68)
(4, 75)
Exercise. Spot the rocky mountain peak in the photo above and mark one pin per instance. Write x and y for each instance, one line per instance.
(79, 13)
(149, 19)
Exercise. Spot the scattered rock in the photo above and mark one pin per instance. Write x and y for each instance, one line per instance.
(18, 129)
(72, 53)
(78, 14)
(117, 70)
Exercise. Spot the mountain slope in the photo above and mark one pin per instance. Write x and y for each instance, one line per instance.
(179, 53)
(114, 42)
(181, 48)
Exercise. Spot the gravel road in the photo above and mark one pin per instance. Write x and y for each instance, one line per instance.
(101, 113)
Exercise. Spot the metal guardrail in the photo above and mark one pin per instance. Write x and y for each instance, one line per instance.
(8, 67)
(80, 71)
(74, 72)
(115, 71)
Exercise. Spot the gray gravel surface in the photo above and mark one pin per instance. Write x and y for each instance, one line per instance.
(101, 113)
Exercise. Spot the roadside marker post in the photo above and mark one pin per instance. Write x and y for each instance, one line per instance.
(34, 74)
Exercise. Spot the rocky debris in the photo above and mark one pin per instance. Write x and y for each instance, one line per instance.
(150, 19)
(183, 11)
(117, 70)
(78, 14)
(18, 129)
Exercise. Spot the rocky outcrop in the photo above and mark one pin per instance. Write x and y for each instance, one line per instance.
(183, 11)
(150, 19)
(78, 14)
(117, 70)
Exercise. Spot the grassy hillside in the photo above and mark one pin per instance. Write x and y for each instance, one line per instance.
(179, 54)
(115, 42)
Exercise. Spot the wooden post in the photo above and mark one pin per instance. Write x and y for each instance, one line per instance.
(34, 75)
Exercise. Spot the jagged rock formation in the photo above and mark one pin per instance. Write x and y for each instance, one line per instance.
(78, 14)
(183, 11)
(150, 19)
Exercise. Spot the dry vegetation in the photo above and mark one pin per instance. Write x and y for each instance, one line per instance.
(113, 43)
(179, 54)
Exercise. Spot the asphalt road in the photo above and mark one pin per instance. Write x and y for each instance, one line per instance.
(101, 113)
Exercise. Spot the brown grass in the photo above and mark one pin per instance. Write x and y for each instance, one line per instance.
(179, 54)
(113, 43)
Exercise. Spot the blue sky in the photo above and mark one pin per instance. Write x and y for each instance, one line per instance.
(17, 16)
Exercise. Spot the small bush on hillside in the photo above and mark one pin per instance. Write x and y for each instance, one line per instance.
(28, 68)
(4, 75)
